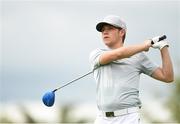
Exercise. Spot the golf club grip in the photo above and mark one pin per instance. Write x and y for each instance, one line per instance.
(157, 39)
(162, 37)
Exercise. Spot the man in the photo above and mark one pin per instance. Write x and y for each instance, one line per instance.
(117, 72)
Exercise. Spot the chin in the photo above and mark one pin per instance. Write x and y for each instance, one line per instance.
(106, 42)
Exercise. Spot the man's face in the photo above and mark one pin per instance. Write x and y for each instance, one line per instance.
(111, 35)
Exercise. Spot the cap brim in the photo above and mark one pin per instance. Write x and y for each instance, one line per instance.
(100, 25)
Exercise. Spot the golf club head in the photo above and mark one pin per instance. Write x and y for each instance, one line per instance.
(49, 98)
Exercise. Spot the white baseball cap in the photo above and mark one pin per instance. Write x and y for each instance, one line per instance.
(113, 20)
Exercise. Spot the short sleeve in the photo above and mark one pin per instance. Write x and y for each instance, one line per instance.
(147, 66)
(94, 58)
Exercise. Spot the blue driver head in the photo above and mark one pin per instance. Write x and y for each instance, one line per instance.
(48, 98)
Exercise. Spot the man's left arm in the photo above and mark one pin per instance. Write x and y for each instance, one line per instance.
(164, 73)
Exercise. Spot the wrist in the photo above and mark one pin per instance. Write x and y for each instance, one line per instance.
(165, 46)
(147, 44)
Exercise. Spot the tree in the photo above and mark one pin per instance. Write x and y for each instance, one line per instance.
(174, 101)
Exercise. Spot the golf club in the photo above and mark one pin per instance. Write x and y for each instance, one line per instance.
(49, 97)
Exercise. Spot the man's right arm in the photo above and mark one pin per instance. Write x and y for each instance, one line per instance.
(123, 52)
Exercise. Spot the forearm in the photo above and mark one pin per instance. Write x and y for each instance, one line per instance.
(128, 51)
(167, 68)
(122, 52)
(164, 73)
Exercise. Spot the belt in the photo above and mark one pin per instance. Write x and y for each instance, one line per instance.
(120, 112)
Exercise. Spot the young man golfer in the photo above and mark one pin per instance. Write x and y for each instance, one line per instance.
(118, 72)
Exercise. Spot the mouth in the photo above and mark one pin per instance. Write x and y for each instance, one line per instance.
(105, 37)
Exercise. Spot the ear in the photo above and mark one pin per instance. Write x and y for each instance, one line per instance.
(122, 32)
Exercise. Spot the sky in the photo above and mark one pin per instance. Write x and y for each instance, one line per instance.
(45, 44)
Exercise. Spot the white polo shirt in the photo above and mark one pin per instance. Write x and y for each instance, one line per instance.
(118, 82)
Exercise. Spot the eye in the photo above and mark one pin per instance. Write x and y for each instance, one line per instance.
(102, 29)
(107, 27)
(111, 28)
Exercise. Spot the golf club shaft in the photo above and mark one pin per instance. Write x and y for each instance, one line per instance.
(73, 80)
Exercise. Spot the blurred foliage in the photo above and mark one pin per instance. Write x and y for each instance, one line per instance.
(174, 101)
(27, 115)
(5, 120)
(67, 117)
(65, 111)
